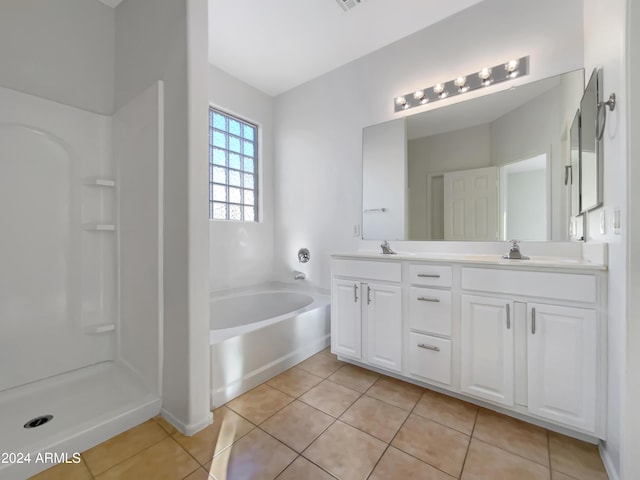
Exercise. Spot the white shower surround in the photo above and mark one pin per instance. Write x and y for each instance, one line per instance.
(76, 344)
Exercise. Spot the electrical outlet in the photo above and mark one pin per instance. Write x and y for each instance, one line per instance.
(356, 230)
(616, 221)
(603, 223)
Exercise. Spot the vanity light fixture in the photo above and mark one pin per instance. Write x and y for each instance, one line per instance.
(464, 83)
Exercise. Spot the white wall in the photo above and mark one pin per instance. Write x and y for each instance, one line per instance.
(319, 124)
(61, 50)
(152, 43)
(604, 47)
(241, 253)
(630, 464)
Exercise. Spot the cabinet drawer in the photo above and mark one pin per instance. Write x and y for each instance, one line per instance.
(385, 271)
(562, 286)
(430, 357)
(430, 310)
(431, 275)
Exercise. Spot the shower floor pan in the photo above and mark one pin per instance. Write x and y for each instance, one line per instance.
(88, 406)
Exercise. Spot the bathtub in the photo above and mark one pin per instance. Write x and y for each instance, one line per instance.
(259, 332)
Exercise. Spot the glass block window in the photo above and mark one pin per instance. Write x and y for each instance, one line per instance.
(233, 168)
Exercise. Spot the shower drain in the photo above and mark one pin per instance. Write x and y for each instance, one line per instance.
(38, 421)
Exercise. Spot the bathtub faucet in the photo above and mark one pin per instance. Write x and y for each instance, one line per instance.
(299, 275)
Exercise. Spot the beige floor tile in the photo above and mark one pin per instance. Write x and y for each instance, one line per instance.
(485, 461)
(200, 474)
(321, 364)
(303, 469)
(227, 427)
(65, 471)
(123, 446)
(354, 377)
(170, 429)
(395, 464)
(447, 410)
(330, 397)
(435, 444)
(517, 437)
(260, 403)
(297, 425)
(575, 458)
(396, 392)
(560, 476)
(346, 452)
(256, 456)
(295, 381)
(375, 417)
(166, 460)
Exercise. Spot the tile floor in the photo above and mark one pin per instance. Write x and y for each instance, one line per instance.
(326, 419)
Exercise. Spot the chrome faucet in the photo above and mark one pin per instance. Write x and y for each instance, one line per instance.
(297, 275)
(514, 252)
(386, 248)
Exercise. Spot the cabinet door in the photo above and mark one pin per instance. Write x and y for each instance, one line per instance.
(346, 328)
(562, 363)
(487, 352)
(383, 306)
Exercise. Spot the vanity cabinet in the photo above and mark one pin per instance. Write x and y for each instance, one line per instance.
(522, 338)
(366, 313)
(487, 349)
(562, 368)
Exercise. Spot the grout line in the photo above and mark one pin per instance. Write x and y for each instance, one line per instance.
(128, 458)
(471, 437)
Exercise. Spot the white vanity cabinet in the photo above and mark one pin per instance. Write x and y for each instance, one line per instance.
(562, 346)
(487, 349)
(366, 312)
(522, 337)
(556, 332)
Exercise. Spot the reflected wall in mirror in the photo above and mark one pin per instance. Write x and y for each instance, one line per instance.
(590, 146)
(491, 168)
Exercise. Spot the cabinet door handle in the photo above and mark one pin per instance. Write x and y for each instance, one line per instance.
(368, 294)
(508, 316)
(355, 293)
(428, 275)
(533, 321)
(429, 347)
(429, 299)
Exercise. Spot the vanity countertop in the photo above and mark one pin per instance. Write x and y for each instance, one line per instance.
(482, 259)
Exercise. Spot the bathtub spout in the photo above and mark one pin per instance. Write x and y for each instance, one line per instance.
(299, 275)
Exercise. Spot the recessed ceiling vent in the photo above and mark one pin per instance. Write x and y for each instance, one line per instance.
(348, 4)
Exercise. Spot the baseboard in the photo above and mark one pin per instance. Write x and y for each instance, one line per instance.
(608, 463)
(187, 429)
(260, 375)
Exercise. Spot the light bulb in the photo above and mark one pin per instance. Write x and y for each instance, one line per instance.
(419, 95)
(512, 68)
(438, 88)
(401, 101)
(485, 76)
(460, 82)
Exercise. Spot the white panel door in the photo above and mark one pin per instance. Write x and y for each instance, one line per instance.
(471, 204)
(383, 307)
(562, 357)
(487, 350)
(346, 325)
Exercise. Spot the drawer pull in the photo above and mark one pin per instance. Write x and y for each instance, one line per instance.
(428, 275)
(429, 347)
(368, 295)
(355, 293)
(508, 316)
(429, 299)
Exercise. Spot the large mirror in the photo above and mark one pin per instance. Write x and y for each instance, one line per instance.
(590, 146)
(490, 168)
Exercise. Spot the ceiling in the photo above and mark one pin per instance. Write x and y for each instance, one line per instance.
(276, 45)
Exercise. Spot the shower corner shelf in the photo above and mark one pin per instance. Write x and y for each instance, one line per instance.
(101, 328)
(100, 182)
(98, 227)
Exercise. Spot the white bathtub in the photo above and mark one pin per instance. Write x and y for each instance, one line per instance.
(259, 332)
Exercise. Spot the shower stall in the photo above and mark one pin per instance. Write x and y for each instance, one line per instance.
(80, 275)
